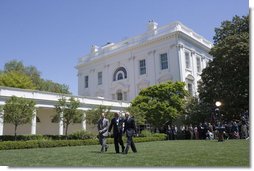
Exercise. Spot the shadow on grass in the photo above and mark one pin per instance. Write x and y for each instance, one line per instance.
(98, 152)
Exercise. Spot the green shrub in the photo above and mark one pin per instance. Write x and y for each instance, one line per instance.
(81, 135)
(145, 133)
(7, 145)
(23, 137)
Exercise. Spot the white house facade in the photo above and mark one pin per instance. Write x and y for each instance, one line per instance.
(118, 71)
(42, 122)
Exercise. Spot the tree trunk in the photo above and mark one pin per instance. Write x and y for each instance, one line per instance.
(15, 132)
(66, 131)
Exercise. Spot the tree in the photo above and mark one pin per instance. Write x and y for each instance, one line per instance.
(68, 112)
(18, 111)
(17, 80)
(226, 79)
(196, 112)
(35, 76)
(93, 115)
(162, 103)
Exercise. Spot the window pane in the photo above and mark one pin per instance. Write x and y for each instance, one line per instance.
(120, 76)
(198, 64)
(190, 89)
(142, 67)
(187, 59)
(164, 61)
(99, 78)
(119, 96)
(86, 81)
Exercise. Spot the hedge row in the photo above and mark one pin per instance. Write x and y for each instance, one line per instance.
(8, 145)
(81, 135)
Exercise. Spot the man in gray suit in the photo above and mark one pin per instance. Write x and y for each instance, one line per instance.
(103, 124)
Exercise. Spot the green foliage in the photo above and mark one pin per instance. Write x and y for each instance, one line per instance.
(92, 116)
(68, 112)
(17, 80)
(23, 137)
(18, 111)
(161, 103)
(26, 76)
(196, 112)
(137, 114)
(226, 79)
(146, 133)
(7, 145)
(82, 135)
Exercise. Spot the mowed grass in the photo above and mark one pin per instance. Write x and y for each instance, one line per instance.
(179, 153)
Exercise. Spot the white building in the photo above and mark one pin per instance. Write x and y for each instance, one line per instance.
(120, 70)
(42, 122)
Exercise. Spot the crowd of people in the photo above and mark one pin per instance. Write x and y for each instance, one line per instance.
(234, 129)
(120, 126)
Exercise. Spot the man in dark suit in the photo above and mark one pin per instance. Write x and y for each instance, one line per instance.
(117, 125)
(103, 124)
(130, 129)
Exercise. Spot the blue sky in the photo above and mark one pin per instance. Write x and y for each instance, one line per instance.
(53, 34)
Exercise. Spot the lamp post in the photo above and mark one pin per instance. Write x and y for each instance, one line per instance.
(220, 126)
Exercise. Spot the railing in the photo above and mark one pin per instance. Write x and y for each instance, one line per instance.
(149, 35)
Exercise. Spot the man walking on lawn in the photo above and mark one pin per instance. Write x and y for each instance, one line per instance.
(130, 129)
(103, 125)
(117, 125)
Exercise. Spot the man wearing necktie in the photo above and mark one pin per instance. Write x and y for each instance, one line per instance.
(130, 129)
(117, 125)
(103, 125)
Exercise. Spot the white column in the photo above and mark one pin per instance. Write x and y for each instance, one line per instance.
(61, 124)
(1, 122)
(33, 127)
(84, 122)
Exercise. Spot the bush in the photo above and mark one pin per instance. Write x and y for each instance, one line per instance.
(81, 135)
(7, 145)
(23, 137)
(146, 133)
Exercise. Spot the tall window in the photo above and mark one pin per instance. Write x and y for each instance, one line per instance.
(198, 64)
(86, 81)
(142, 67)
(190, 88)
(119, 95)
(187, 60)
(164, 61)
(99, 78)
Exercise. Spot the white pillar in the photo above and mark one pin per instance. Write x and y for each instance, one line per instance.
(1, 122)
(61, 124)
(33, 127)
(84, 122)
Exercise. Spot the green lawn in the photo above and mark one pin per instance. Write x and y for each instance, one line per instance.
(179, 153)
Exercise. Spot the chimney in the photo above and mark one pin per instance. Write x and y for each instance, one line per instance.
(152, 25)
(94, 49)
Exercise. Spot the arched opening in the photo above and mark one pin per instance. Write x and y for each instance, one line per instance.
(120, 74)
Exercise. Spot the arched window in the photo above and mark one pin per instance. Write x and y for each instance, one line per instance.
(120, 74)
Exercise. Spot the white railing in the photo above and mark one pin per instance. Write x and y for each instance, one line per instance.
(149, 35)
(53, 97)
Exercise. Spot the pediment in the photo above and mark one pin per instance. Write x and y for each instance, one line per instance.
(190, 77)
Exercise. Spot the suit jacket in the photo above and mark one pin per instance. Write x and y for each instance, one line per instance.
(103, 125)
(130, 126)
(117, 125)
